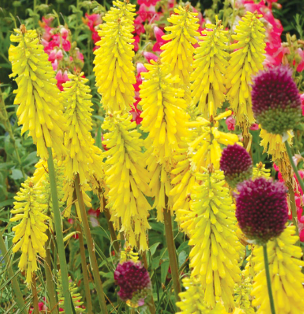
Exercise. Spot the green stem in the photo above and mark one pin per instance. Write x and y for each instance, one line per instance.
(85, 273)
(268, 279)
(15, 285)
(35, 295)
(172, 253)
(49, 277)
(59, 235)
(91, 247)
(288, 149)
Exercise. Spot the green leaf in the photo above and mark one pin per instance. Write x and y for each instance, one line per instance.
(154, 247)
(29, 160)
(16, 174)
(7, 203)
(164, 271)
(98, 117)
(98, 137)
(182, 256)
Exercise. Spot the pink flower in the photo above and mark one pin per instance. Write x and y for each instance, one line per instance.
(93, 20)
(302, 103)
(79, 55)
(136, 112)
(254, 127)
(64, 32)
(150, 56)
(300, 66)
(55, 65)
(230, 122)
(159, 40)
(147, 13)
(141, 68)
(93, 215)
(139, 28)
(61, 78)
(148, 2)
(136, 42)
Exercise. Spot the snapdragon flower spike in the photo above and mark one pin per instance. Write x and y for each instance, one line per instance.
(134, 282)
(236, 164)
(192, 299)
(245, 62)
(40, 103)
(127, 178)
(287, 279)
(212, 225)
(114, 70)
(276, 102)
(208, 90)
(178, 52)
(164, 119)
(30, 234)
(261, 209)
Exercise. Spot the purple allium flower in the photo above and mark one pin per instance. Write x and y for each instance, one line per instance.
(276, 103)
(134, 282)
(261, 209)
(236, 164)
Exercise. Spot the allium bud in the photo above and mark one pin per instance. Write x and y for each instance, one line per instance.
(276, 103)
(134, 282)
(261, 209)
(236, 164)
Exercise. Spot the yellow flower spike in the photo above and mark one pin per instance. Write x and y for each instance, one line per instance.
(39, 99)
(165, 120)
(114, 70)
(242, 297)
(192, 300)
(215, 253)
(127, 178)
(285, 273)
(30, 236)
(208, 90)
(178, 52)
(245, 62)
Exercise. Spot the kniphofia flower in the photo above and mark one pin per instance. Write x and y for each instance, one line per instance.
(40, 103)
(287, 279)
(208, 90)
(245, 62)
(212, 225)
(30, 237)
(178, 52)
(114, 70)
(127, 178)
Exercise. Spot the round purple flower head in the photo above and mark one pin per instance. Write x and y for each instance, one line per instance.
(236, 164)
(261, 209)
(134, 282)
(276, 103)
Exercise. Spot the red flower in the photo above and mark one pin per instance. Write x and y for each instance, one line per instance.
(230, 122)
(61, 78)
(159, 40)
(150, 56)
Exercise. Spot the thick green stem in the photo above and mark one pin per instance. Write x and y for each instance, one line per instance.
(59, 235)
(268, 279)
(49, 277)
(288, 149)
(85, 273)
(172, 253)
(91, 247)
(15, 285)
(35, 295)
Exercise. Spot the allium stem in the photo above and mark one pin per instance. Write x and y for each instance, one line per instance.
(49, 277)
(15, 285)
(288, 149)
(85, 273)
(59, 235)
(268, 279)
(91, 247)
(35, 295)
(172, 253)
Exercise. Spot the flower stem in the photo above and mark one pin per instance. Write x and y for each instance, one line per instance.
(15, 286)
(268, 279)
(35, 295)
(91, 247)
(288, 149)
(49, 278)
(85, 273)
(172, 253)
(59, 235)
